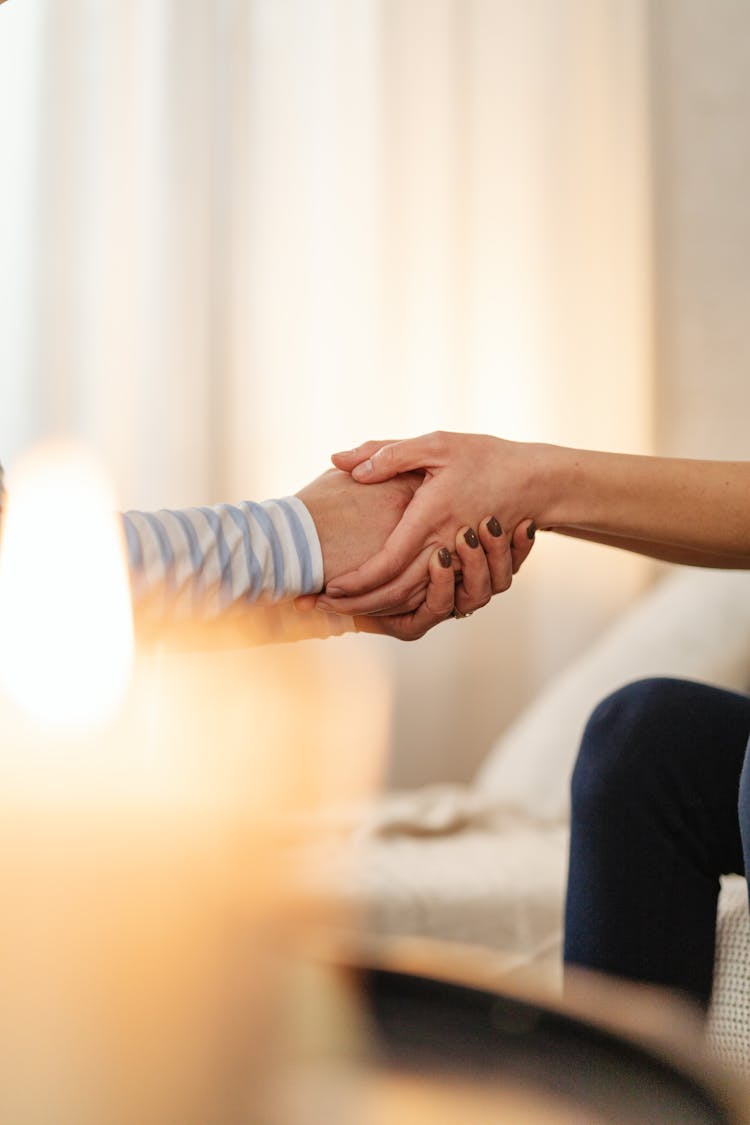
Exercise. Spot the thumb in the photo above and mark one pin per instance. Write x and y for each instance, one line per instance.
(394, 458)
(350, 458)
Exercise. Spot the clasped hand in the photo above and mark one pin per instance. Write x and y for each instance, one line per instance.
(398, 556)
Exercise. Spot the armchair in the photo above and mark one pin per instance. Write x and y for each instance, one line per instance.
(484, 864)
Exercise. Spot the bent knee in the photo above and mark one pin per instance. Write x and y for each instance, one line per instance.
(625, 739)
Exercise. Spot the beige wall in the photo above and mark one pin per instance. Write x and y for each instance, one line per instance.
(333, 221)
(471, 680)
(555, 163)
(700, 81)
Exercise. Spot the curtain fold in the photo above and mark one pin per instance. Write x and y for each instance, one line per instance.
(243, 234)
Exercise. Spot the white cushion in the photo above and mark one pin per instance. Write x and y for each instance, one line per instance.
(500, 887)
(694, 624)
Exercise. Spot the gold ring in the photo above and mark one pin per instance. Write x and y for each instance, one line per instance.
(458, 615)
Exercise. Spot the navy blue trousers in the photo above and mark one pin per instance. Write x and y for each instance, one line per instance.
(660, 809)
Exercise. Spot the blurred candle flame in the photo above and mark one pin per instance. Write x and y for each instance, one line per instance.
(66, 627)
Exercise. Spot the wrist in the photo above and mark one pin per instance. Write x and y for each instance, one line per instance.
(559, 477)
(580, 487)
(322, 510)
(543, 480)
(312, 541)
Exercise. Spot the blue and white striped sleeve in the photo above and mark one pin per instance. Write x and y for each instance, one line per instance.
(201, 562)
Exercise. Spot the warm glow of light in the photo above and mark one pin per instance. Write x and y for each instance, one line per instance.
(66, 629)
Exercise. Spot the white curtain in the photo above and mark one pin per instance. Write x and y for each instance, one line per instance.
(240, 234)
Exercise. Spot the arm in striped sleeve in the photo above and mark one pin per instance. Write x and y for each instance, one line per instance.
(202, 562)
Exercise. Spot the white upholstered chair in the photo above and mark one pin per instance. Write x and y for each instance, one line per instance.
(485, 864)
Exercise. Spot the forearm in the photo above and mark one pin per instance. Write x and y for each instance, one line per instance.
(203, 562)
(232, 565)
(695, 512)
(240, 627)
(664, 552)
(697, 507)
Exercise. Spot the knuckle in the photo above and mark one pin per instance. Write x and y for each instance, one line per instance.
(400, 595)
(379, 457)
(439, 441)
(477, 603)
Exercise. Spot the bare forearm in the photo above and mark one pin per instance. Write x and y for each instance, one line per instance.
(694, 512)
(683, 506)
(664, 552)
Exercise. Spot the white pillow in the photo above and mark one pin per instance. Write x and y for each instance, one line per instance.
(694, 624)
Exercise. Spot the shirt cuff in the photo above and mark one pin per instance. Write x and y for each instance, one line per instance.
(303, 555)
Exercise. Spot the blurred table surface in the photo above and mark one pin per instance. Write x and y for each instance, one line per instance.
(433, 1033)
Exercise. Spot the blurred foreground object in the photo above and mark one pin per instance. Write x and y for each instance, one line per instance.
(466, 1037)
(149, 889)
(66, 642)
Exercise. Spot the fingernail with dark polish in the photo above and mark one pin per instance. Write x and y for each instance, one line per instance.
(445, 557)
(494, 527)
(471, 537)
(531, 530)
